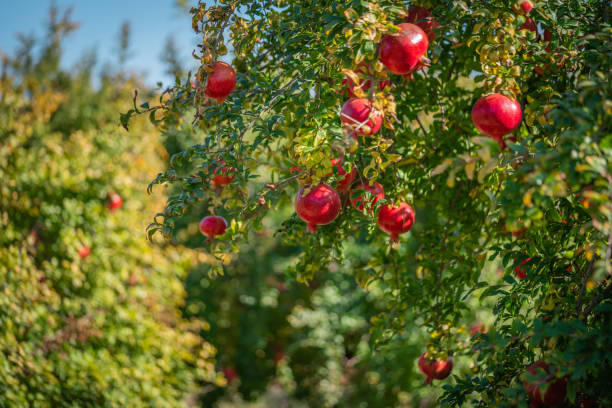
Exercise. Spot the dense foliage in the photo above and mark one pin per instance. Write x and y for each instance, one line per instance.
(538, 203)
(89, 311)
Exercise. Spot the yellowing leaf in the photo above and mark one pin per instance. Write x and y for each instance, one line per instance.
(441, 168)
(469, 170)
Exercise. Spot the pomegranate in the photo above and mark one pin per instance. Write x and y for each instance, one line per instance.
(364, 84)
(523, 7)
(478, 328)
(396, 220)
(358, 200)
(435, 369)
(230, 374)
(421, 17)
(221, 81)
(530, 25)
(496, 116)
(84, 251)
(319, 207)
(402, 52)
(115, 201)
(554, 389)
(358, 116)
(213, 225)
(344, 183)
(224, 175)
(519, 271)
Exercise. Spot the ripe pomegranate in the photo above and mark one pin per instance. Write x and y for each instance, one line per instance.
(400, 53)
(213, 225)
(435, 369)
(358, 116)
(230, 374)
(343, 183)
(523, 7)
(115, 201)
(421, 17)
(223, 175)
(319, 207)
(519, 271)
(84, 251)
(396, 220)
(221, 81)
(555, 389)
(364, 84)
(530, 25)
(358, 199)
(496, 116)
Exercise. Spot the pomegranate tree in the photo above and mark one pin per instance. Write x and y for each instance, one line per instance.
(221, 81)
(396, 220)
(212, 226)
(496, 116)
(546, 390)
(320, 206)
(435, 369)
(359, 117)
(401, 53)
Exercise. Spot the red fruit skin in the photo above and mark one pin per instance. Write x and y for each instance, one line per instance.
(223, 175)
(519, 271)
(364, 84)
(402, 52)
(530, 25)
(421, 17)
(520, 232)
(556, 388)
(357, 115)
(496, 116)
(344, 184)
(221, 81)
(443, 368)
(396, 220)
(115, 202)
(213, 225)
(478, 328)
(427, 367)
(84, 251)
(320, 206)
(524, 7)
(358, 201)
(230, 374)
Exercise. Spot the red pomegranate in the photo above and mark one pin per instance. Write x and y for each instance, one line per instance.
(402, 52)
(435, 369)
(523, 7)
(115, 202)
(319, 207)
(213, 225)
(363, 71)
(84, 251)
(358, 199)
(344, 183)
(496, 116)
(223, 175)
(230, 374)
(221, 81)
(554, 389)
(519, 271)
(421, 17)
(530, 25)
(396, 220)
(359, 118)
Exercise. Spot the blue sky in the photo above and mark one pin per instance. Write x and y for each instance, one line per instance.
(152, 21)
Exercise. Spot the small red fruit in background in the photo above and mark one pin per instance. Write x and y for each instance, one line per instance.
(555, 389)
(213, 225)
(230, 374)
(530, 25)
(364, 84)
(402, 52)
(478, 328)
(519, 271)
(344, 183)
(115, 202)
(358, 199)
(396, 220)
(523, 7)
(223, 175)
(221, 81)
(84, 251)
(496, 116)
(320, 206)
(421, 17)
(359, 118)
(435, 369)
